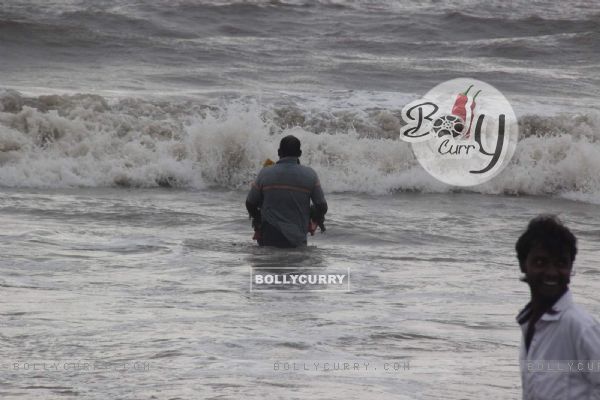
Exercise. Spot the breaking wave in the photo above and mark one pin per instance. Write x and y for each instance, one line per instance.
(86, 140)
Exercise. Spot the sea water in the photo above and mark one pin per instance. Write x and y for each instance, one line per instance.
(150, 288)
(131, 131)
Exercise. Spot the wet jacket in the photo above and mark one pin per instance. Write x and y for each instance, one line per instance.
(283, 193)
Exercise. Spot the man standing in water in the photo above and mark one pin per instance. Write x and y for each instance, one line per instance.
(560, 345)
(279, 200)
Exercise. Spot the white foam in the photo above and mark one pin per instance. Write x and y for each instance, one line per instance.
(85, 140)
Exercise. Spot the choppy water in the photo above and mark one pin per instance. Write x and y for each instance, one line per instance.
(130, 130)
(160, 277)
(197, 94)
(536, 48)
(88, 140)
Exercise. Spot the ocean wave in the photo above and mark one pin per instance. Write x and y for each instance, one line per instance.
(88, 140)
(84, 28)
(185, 19)
(295, 43)
(119, 23)
(532, 20)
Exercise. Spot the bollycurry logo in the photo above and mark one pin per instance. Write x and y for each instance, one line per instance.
(463, 131)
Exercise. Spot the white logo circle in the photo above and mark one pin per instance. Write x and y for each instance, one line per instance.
(463, 131)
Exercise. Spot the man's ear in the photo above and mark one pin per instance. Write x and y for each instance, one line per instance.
(299, 153)
(279, 152)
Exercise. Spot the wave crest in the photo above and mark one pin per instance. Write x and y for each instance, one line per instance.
(88, 140)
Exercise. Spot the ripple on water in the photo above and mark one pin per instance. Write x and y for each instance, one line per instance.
(166, 354)
(294, 345)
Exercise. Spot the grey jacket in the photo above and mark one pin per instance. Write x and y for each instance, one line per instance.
(283, 193)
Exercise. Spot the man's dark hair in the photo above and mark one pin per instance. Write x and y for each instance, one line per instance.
(289, 147)
(549, 232)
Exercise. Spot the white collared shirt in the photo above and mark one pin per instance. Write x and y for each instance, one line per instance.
(563, 361)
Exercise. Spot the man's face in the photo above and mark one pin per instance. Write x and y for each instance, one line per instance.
(548, 272)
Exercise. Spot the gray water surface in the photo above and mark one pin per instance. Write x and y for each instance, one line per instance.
(154, 286)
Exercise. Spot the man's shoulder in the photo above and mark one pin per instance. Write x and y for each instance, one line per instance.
(579, 319)
(304, 170)
(583, 330)
(308, 170)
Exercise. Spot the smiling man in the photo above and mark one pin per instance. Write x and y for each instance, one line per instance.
(560, 345)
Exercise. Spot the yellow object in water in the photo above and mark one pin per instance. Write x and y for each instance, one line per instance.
(268, 162)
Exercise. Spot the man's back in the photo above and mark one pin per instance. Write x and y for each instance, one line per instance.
(283, 193)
